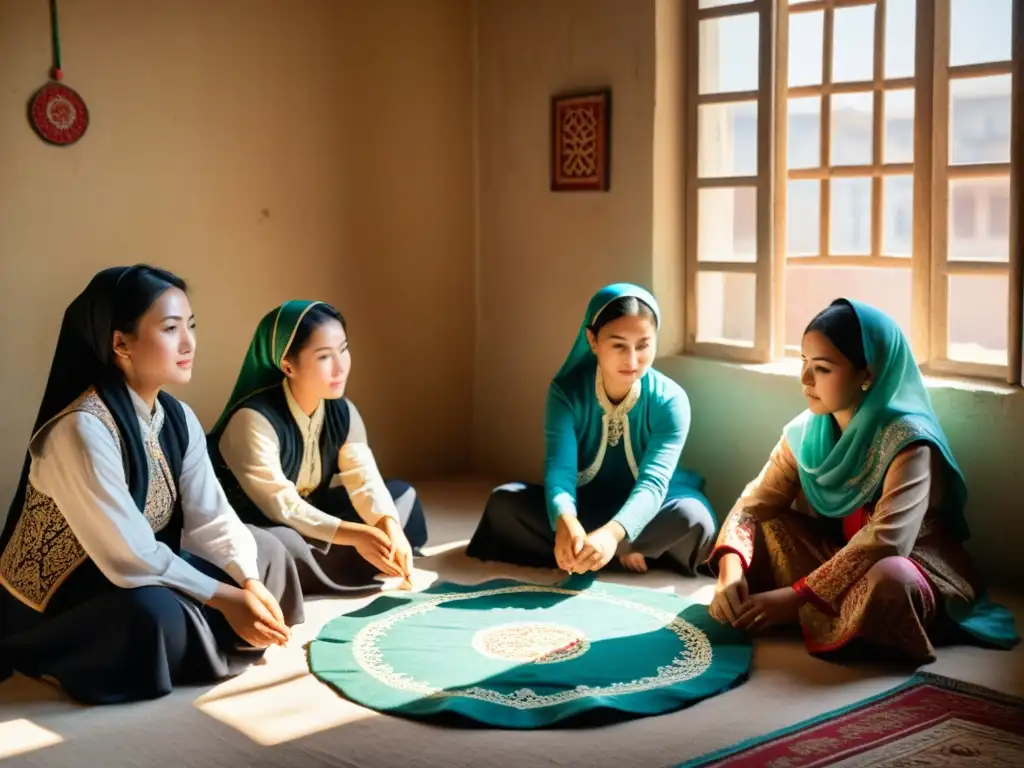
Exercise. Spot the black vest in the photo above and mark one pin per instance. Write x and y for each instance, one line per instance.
(86, 580)
(272, 404)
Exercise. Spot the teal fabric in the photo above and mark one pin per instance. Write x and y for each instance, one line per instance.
(985, 622)
(417, 655)
(615, 479)
(658, 427)
(840, 475)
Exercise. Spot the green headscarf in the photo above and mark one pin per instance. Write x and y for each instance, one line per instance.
(262, 366)
(581, 351)
(840, 475)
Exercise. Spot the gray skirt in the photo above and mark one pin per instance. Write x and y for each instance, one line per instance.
(326, 569)
(515, 529)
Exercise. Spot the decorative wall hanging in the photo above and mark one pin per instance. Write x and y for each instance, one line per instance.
(580, 132)
(57, 112)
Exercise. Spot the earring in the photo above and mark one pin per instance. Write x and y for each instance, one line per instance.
(865, 386)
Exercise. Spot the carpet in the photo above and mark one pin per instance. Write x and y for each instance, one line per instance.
(929, 721)
(519, 655)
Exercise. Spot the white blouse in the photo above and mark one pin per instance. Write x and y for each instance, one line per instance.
(78, 464)
(252, 452)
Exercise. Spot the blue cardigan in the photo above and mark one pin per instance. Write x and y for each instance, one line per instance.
(658, 423)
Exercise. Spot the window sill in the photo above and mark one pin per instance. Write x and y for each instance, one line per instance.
(790, 368)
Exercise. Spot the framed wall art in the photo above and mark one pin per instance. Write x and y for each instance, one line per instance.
(580, 135)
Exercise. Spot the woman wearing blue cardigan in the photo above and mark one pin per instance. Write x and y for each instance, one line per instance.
(614, 433)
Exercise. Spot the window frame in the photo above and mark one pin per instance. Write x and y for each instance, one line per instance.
(931, 172)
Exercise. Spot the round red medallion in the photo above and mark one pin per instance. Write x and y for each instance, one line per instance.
(58, 114)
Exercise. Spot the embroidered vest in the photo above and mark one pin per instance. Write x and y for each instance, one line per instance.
(44, 556)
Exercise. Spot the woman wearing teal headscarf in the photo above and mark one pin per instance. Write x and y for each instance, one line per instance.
(293, 456)
(854, 527)
(614, 431)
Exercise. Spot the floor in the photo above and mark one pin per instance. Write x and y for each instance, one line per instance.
(276, 714)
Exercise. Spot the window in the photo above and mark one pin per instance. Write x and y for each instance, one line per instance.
(962, 211)
(857, 148)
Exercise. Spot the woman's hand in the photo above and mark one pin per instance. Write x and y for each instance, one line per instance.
(600, 547)
(731, 591)
(372, 544)
(769, 609)
(259, 589)
(249, 616)
(570, 537)
(401, 549)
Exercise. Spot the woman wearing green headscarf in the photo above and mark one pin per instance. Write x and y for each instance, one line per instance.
(854, 527)
(293, 456)
(614, 431)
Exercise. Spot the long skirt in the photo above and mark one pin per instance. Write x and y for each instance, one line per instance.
(326, 569)
(515, 528)
(122, 645)
(896, 608)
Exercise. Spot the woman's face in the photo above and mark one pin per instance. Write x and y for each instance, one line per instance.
(322, 366)
(162, 348)
(830, 381)
(625, 349)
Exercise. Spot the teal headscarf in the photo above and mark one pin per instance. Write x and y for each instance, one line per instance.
(262, 366)
(581, 351)
(840, 475)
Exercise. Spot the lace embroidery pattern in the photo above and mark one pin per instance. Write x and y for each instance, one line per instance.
(831, 579)
(614, 428)
(796, 551)
(161, 493)
(738, 533)
(875, 612)
(894, 437)
(693, 659)
(531, 642)
(43, 551)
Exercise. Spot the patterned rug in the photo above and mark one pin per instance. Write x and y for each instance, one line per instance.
(515, 655)
(928, 722)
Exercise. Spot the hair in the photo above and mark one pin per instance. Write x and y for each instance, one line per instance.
(315, 316)
(136, 291)
(624, 306)
(840, 325)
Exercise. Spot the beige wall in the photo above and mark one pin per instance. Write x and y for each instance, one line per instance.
(265, 150)
(542, 254)
(328, 149)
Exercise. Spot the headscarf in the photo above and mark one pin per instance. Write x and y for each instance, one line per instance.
(839, 475)
(581, 351)
(84, 358)
(261, 368)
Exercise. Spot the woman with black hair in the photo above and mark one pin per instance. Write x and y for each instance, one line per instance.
(294, 457)
(854, 527)
(614, 432)
(125, 570)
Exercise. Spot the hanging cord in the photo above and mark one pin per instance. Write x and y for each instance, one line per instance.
(57, 74)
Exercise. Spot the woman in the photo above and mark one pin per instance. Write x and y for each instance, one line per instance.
(292, 453)
(99, 592)
(614, 432)
(857, 519)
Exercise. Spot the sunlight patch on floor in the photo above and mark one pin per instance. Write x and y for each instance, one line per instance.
(440, 549)
(280, 712)
(18, 737)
